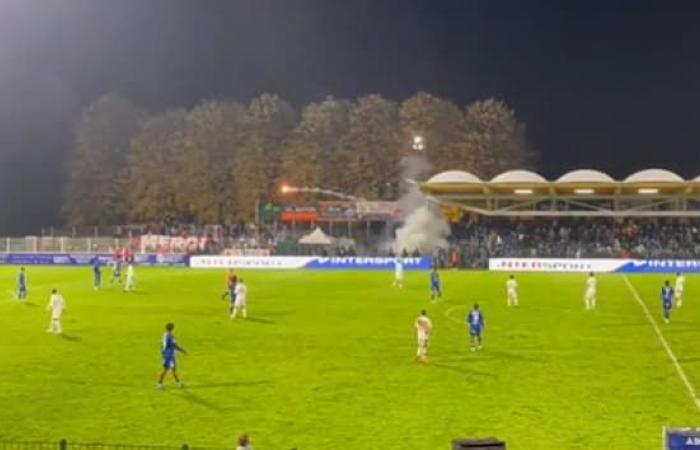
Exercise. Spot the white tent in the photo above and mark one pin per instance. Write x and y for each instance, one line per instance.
(316, 237)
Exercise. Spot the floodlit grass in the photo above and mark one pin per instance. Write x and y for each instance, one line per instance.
(325, 361)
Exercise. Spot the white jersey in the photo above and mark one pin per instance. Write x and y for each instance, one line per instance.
(56, 305)
(241, 292)
(423, 328)
(511, 286)
(680, 284)
(398, 270)
(591, 284)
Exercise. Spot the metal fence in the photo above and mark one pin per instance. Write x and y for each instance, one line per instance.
(70, 445)
(48, 244)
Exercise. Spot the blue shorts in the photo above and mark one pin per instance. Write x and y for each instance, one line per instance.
(475, 331)
(22, 289)
(668, 306)
(435, 287)
(168, 363)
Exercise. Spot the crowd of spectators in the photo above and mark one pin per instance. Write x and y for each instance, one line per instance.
(474, 241)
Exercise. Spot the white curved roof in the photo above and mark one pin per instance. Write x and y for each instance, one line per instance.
(585, 176)
(454, 176)
(696, 179)
(518, 176)
(654, 176)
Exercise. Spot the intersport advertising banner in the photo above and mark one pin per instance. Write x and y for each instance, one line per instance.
(307, 262)
(594, 265)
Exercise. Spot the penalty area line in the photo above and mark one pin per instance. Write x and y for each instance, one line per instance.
(664, 343)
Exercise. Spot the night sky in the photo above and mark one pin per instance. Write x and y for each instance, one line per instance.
(608, 85)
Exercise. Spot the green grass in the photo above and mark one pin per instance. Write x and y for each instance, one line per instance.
(326, 361)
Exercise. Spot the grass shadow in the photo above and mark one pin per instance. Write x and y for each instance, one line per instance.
(70, 338)
(197, 400)
(260, 320)
(501, 355)
(460, 369)
(623, 325)
(689, 360)
(232, 384)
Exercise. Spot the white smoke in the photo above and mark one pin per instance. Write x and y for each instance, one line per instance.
(424, 228)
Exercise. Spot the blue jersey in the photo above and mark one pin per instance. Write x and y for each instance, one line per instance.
(434, 279)
(667, 296)
(96, 269)
(168, 347)
(475, 319)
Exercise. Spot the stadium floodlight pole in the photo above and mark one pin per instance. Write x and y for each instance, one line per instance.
(286, 189)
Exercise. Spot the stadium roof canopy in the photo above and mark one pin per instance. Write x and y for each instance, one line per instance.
(584, 192)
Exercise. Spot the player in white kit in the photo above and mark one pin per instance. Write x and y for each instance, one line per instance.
(590, 297)
(512, 290)
(240, 303)
(678, 290)
(423, 327)
(398, 273)
(56, 305)
(130, 281)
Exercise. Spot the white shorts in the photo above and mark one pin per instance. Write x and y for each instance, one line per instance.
(590, 295)
(422, 341)
(239, 303)
(679, 293)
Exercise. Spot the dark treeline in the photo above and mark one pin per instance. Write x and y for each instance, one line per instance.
(210, 164)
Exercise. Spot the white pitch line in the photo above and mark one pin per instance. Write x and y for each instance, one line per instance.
(448, 313)
(664, 343)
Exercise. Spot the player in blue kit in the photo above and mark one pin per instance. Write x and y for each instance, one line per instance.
(116, 272)
(168, 349)
(435, 291)
(22, 285)
(96, 274)
(667, 300)
(475, 319)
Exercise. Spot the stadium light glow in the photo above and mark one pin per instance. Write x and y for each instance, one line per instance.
(418, 143)
(523, 192)
(648, 191)
(287, 189)
(584, 191)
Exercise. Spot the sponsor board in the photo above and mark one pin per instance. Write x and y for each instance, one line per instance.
(157, 243)
(681, 438)
(86, 259)
(248, 262)
(367, 263)
(306, 262)
(594, 265)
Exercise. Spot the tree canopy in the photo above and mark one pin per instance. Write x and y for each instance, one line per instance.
(215, 162)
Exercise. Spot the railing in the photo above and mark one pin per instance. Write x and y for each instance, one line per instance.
(47, 244)
(69, 445)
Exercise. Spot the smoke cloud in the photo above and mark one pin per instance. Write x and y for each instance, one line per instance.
(424, 228)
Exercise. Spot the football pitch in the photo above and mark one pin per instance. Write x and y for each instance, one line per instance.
(326, 361)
